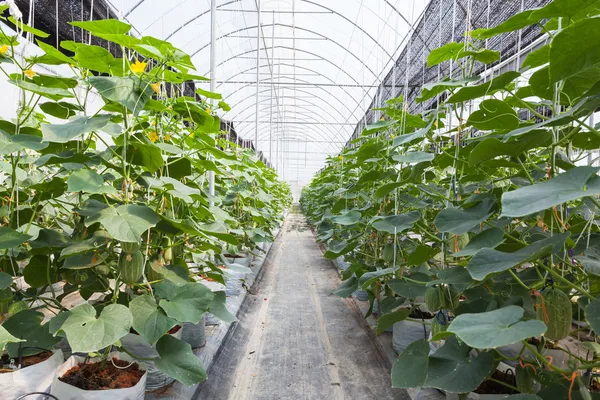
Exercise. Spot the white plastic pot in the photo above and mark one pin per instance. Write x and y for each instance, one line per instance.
(194, 334)
(243, 261)
(406, 332)
(64, 391)
(35, 378)
(139, 347)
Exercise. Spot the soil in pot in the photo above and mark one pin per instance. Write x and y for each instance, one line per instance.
(491, 387)
(28, 361)
(95, 376)
(418, 314)
(174, 330)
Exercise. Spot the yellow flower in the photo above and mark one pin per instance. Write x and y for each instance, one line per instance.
(138, 67)
(207, 110)
(156, 87)
(30, 73)
(167, 137)
(3, 49)
(340, 157)
(153, 136)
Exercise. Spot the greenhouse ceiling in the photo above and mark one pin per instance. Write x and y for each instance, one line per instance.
(309, 72)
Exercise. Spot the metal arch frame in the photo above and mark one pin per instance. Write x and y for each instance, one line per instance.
(286, 26)
(293, 49)
(303, 68)
(266, 83)
(285, 97)
(300, 132)
(281, 97)
(319, 129)
(302, 137)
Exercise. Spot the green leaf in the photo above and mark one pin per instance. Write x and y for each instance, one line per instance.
(574, 49)
(570, 185)
(537, 58)
(62, 110)
(408, 138)
(208, 94)
(88, 181)
(146, 155)
(430, 90)
(368, 278)
(54, 93)
(149, 320)
(451, 368)
(51, 51)
(125, 223)
(387, 320)
(218, 308)
(493, 329)
(410, 369)
(186, 303)
(421, 254)
(178, 361)
(449, 51)
(104, 26)
(13, 143)
(26, 28)
(27, 325)
(592, 314)
(485, 89)
(491, 147)
(6, 338)
(129, 91)
(458, 221)
(64, 133)
(406, 289)
(494, 114)
(348, 218)
(396, 223)
(490, 238)
(86, 333)
(10, 238)
(488, 261)
(413, 157)
(98, 59)
(37, 271)
(347, 288)
(5, 280)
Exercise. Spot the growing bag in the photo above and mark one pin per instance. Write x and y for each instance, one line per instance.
(35, 378)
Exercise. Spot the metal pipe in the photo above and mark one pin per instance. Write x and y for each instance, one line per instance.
(213, 85)
(257, 76)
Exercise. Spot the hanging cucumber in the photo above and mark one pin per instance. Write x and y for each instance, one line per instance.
(130, 247)
(168, 250)
(554, 309)
(437, 326)
(434, 298)
(152, 267)
(525, 379)
(131, 267)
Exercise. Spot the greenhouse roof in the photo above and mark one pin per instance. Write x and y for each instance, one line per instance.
(319, 65)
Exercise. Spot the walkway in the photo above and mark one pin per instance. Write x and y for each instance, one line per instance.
(296, 341)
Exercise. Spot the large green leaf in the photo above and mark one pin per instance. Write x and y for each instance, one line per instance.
(87, 333)
(406, 288)
(10, 238)
(408, 138)
(493, 329)
(592, 314)
(149, 320)
(102, 27)
(12, 143)
(413, 157)
(6, 337)
(146, 155)
(490, 238)
(488, 261)
(410, 369)
(574, 49)
(472, 92)
(27, 325)
(348, 218)
(186, 303)
(368, 278)
(129, 91)
(387, 320)
(178, 361)
(449, 51)
(73, 129)
(5, 280)
(451, 368)
(397, 223)
(347, 288)
(54, 93)
(125, 223)
(492, 147)
(39, 272)
(218, 308)
(88, 181)
(458, 220)
(494, 114)
(570, 185)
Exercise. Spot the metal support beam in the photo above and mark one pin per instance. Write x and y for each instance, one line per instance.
(213, 84)
(258, 31)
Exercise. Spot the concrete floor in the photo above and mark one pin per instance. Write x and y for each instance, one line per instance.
(294, 339)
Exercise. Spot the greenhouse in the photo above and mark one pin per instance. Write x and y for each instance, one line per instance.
(300, 199)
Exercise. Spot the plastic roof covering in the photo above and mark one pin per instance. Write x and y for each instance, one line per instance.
(324, 59)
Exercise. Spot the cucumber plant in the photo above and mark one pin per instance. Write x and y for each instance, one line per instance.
(488, 196)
